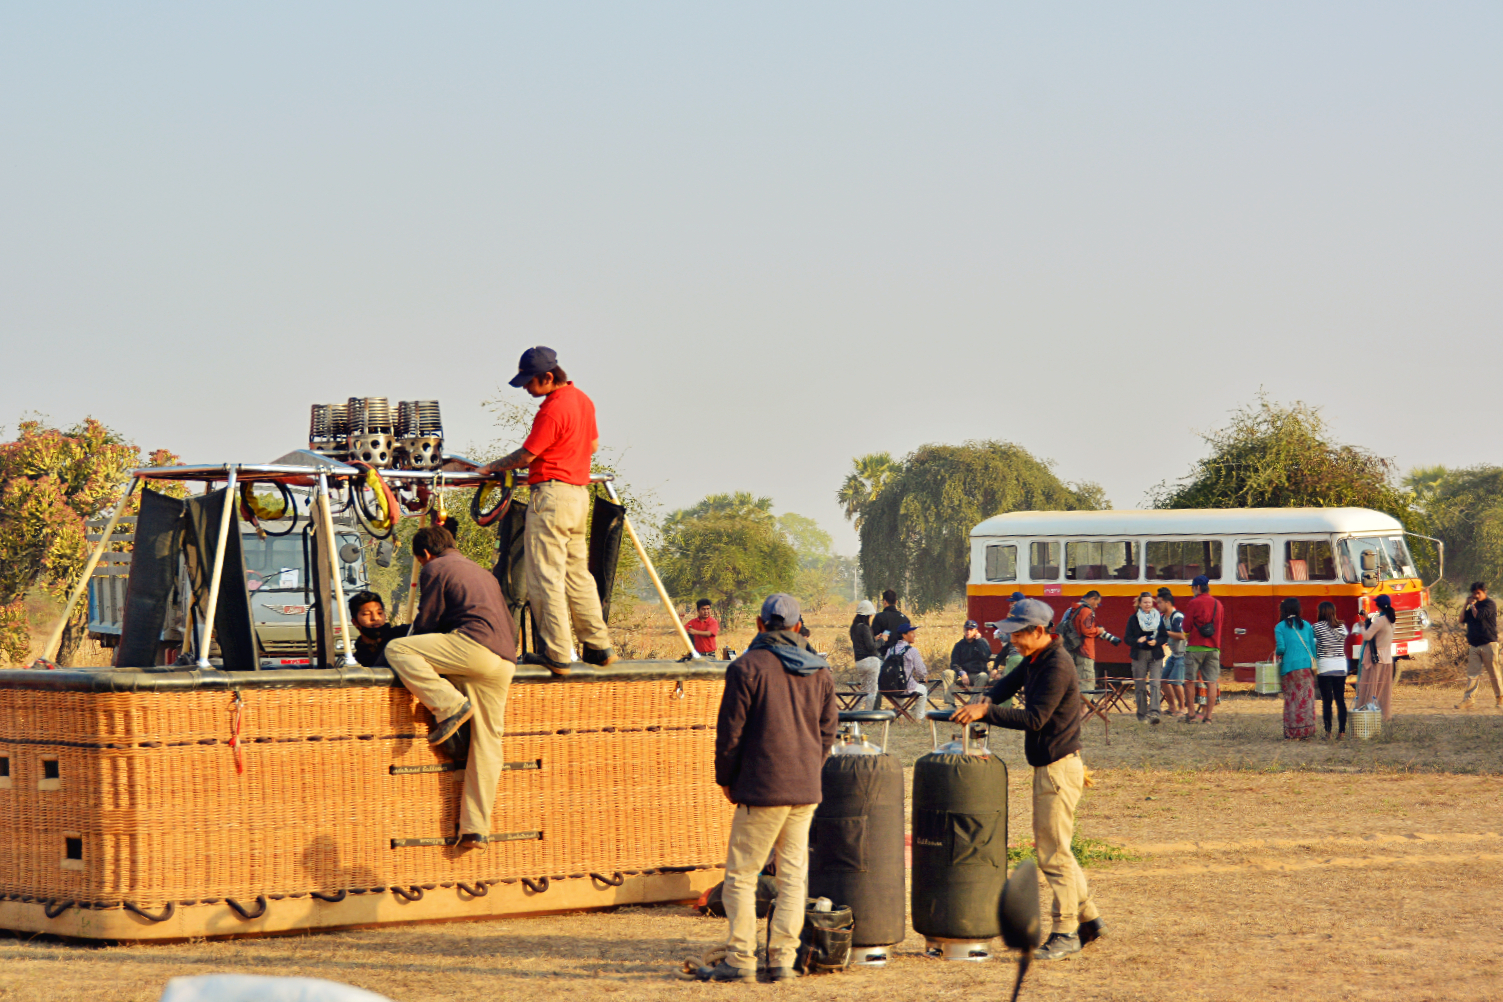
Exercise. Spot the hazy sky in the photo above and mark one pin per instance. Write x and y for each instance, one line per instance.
(764, 237)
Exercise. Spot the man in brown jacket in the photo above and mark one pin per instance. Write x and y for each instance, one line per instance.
(776, 725)
(464, 631)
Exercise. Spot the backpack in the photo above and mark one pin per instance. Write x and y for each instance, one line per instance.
(1068, 633)
(893, 675)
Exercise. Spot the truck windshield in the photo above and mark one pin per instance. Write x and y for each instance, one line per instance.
(276, 562)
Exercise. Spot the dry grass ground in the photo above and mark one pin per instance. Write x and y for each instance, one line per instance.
(1258, 869)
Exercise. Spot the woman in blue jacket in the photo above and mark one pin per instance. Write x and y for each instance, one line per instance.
(1294, 641)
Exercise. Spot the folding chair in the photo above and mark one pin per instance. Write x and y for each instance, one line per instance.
(934, 689)
(1093, 702)
(902, 702)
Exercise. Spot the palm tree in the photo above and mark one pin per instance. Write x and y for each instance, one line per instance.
(869, 474)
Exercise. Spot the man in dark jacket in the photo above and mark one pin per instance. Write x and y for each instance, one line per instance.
(1050, 719)
(776, 725)
(888, 620)
(968, 660)
(1480, 617)
(463, 631)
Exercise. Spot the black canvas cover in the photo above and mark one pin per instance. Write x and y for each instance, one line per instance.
(233, 627)
(158, 547)
(511, 558)
(959, 844)
(607, 522)
(856, 844)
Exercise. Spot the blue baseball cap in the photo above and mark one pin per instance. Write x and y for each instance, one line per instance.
(1201, 581)
(781, 611)
(535, 362)
(1025, 615)
(1017, 596)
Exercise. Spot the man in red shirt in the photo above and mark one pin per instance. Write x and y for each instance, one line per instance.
(704, 628)
(557, 454)
(1203, 618)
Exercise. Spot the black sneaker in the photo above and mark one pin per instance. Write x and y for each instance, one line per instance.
(782, 973)
(557, 667)
(599, 656)
(1091, 931)
(725, 972)
(1058, 946)
(472, 840)
(444, 729)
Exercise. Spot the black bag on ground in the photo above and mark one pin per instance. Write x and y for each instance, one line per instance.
(713, 902)
(893, 675)
(824, 947)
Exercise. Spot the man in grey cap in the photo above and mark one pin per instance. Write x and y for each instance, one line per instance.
(1050, 719)
(775, 728)
(558, 453)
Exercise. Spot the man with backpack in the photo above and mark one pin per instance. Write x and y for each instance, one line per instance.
(903, 670)
(1203, 618)
(1078, 632)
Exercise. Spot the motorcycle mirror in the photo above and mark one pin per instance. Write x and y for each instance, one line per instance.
(1018, 914)
(349, 552)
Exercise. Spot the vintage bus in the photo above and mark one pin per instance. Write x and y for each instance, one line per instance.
(1254, 557)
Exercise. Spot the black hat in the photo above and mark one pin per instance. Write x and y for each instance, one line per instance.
(535, 362)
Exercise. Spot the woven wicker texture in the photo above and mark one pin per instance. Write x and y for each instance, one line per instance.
(147, 788)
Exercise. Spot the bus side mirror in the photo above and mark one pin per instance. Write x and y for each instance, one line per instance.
(1369, 560)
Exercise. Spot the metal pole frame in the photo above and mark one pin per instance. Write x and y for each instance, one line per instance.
(206, 628)
(334, 569)
(683, 634)
(49, 649)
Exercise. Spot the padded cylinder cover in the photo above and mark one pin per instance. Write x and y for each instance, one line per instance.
(856, 844)
(959, 844)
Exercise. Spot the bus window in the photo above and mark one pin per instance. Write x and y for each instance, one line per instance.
(1309, 560)
(1001, 562)
(1352, 552)
(1115, 560)
(1043, 561)
(1183, 559)
(1252, 561)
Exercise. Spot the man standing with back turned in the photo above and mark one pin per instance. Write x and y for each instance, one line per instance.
(1050, 720)
(776, 726)
(557, 455)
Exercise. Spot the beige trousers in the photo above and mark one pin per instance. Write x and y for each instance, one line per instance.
(754, 833)
(1056, 791)
(1479, 660)
(481, 676)
(560, 589)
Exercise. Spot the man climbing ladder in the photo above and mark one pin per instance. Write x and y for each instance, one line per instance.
(557, 454)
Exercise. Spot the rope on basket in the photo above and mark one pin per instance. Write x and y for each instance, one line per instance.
(245, 913)
(615, 880)
(165, 914)
(237, 718)
(414, 893)
(331, 898)
(538, 886)
(479, 890)
(53, 908)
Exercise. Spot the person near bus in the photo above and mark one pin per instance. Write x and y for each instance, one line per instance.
(1294, 647)
(887, 621)
(703, 629)
(557, 453)
(1174, 661)
(774, 730)
(1376, 682)
(1145, 637)
(1079, 631)
(373, 632)
(463, 632)
(1480, 617)
(1204, 617)
(864, 650)
(968, 660)
(1330, 661)
(915, 672)
(1050, 720)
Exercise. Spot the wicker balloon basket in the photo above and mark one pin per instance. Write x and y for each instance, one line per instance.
(1364, 724)
(1266, 678)
(172, 804)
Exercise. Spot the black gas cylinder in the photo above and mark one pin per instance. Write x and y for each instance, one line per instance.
(959, 844)
(856, 841)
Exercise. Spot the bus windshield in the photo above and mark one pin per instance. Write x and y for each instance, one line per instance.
(1390, 553)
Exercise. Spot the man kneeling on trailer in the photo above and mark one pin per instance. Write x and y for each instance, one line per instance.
(775, 728)
(1051, 717)
(462, 631)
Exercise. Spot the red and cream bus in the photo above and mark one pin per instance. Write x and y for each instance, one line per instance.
(1255, 557)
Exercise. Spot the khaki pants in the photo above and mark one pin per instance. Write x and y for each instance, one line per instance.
(1479, 659)
(1085, 668)
(483, 677)
(1056, 791)
(560, 589)
(754, 833)
(866, 681)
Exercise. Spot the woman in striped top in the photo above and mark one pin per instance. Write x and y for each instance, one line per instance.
(1330, 656)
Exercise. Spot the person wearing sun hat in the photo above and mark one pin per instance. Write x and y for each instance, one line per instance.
(866, 654)
(1050, 720)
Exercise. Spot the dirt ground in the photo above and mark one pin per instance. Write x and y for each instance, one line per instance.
(1257, 869)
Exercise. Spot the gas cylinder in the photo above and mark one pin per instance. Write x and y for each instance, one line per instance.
(959, 843)
(856, 841)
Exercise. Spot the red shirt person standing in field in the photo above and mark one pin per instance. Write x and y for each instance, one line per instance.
(557, 454)
(704, 628)
(1203, 618)
(1079, 634)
